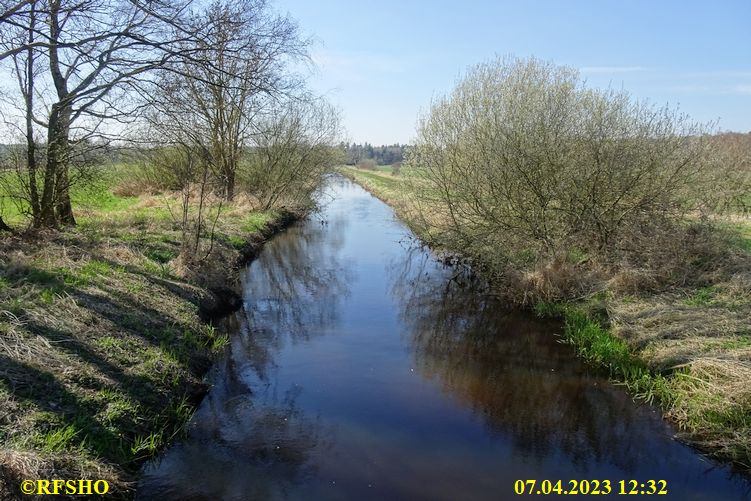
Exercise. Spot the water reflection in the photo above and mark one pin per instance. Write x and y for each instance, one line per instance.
(509, 368)
(346, 380)
(238, 450)
(249, 439)
(293, 292)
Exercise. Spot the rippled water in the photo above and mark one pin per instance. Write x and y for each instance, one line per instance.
(364, 369)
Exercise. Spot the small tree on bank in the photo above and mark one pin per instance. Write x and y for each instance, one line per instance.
(293, 149)
(74, 63)
(237, 75)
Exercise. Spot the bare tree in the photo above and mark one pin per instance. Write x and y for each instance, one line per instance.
(239, 102)
(179, 153)
(187, 164)
(294, 148)
(240, 67)
(91, 52)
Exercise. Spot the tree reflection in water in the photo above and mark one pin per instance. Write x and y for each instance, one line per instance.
(248, 433)
(262, 459)
(294, 290)
(510, 369)
(402, 385)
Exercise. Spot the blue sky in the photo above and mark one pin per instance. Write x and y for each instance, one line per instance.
(381, 61)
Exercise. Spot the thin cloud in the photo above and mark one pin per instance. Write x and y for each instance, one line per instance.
(718, 74)
(609, 70)
(356, 65)
(695, 89)
(715, 90)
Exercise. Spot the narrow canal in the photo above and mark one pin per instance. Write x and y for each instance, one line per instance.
(363, 369)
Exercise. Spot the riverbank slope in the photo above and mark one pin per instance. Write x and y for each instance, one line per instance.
(687, 349)
(104, 334)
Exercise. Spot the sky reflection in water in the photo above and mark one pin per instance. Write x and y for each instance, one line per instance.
(360, 370)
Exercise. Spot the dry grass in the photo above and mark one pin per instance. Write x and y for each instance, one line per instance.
(703, 337)
(22, 464)
(102, 346)
(679, 297)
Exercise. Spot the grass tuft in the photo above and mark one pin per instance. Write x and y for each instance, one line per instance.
(102, 347)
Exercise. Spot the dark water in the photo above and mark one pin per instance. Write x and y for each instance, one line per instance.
(362, 371)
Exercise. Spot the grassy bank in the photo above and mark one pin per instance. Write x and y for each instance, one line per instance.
(686, 348)
(102, 346)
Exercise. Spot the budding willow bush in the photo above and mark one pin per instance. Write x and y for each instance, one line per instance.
(292, 153)
(523, 166)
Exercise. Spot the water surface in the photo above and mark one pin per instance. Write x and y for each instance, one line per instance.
(364, 369)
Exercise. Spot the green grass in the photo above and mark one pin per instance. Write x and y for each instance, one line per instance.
(704, 410)
(145, 446)
(705, 296)
(739, 342)
(161, 270)
(739, 234)
(599, 347)
(378, 178)
(236, 242)
(59, 439)
(96, 196)
(11, 209)
(160, 255)
(255, 221)
(106, 356)
(99, 198)
(48, 296)
(96, 268)
(595, 343)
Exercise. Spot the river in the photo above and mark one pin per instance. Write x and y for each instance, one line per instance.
(362, 369)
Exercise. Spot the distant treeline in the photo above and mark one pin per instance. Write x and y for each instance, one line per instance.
(382, 155)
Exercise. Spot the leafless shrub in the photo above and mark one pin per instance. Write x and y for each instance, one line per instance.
(293, 150)
(198, 212)
(726, 182)
(522, 163)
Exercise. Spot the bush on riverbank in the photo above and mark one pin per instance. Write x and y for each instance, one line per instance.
(671, 321)
(556, 187)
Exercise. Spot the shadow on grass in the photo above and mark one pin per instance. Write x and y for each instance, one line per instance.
(173, 336)
(118, 404)
(61, 409)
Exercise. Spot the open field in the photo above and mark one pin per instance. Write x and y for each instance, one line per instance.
(687, 349)
(103, 347)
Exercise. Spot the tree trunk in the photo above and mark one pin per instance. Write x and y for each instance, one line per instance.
(47, 203)
(55, 206)
(29, 102)
(229, 193)
(63, 208)
(31, 165)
